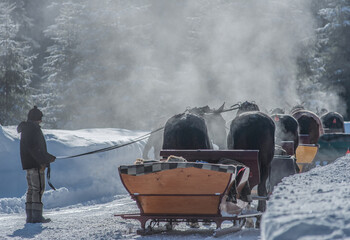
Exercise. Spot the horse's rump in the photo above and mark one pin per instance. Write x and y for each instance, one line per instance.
(286, 129)
(186, 131)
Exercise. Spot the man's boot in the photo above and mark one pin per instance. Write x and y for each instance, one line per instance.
(29, 218)
(37, 214)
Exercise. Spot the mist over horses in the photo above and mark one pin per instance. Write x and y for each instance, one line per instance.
(90, 63)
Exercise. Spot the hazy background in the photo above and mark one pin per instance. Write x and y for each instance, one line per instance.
(196, 53)
(130, 63)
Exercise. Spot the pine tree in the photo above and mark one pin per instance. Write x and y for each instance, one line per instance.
(327, 66)
(59, 66)
(334, 48)
(15, 69)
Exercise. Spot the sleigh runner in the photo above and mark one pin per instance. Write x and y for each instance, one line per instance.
(198, 189)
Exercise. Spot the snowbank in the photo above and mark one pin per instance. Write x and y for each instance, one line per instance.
(311, 205)
(77, 180)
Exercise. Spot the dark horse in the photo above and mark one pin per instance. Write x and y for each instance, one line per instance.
(286, 129)
(215, 125)
(333, 122)
(186, 131)
(254, 130)
(309, 124)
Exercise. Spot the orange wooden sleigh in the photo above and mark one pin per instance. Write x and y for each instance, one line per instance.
(191, 191)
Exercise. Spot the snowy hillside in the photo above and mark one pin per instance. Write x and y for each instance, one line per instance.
(76, 179)
(312, 205)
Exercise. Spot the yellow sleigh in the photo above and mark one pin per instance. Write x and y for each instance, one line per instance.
(305, 155)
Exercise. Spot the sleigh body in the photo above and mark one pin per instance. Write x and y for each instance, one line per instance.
(195, 190)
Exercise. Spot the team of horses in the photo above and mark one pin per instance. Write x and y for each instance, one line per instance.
(251, 129)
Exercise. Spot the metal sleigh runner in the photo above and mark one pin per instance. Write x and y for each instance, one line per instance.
(193, 186)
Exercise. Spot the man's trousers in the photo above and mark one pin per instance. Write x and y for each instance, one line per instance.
(36, 188)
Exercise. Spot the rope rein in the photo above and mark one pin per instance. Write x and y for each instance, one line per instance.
(113, 146)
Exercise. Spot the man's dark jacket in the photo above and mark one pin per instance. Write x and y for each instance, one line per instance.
(33, 146)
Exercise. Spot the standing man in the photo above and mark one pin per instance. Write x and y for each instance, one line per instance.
(35, 159)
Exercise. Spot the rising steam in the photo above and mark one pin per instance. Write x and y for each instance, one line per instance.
(164, 56)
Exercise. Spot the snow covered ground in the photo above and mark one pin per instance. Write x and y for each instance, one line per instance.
(312, 205)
